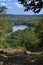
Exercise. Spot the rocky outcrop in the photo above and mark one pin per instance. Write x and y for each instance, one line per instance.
(14, 52)
(18, 57)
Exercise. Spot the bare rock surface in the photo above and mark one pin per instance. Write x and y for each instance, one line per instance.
(19, 57)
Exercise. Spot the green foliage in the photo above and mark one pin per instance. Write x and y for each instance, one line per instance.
(34, 5)
(29, 39)
(4, 28)
(39, 31)
(25, 38)
(21, 19)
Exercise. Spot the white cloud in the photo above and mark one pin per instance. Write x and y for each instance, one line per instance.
(18, 5)
(3, 4)
(8, 6)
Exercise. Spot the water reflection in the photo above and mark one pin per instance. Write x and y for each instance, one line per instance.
(19, 27)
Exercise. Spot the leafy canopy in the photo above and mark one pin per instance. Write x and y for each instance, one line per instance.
(3, 9)
(34, 5)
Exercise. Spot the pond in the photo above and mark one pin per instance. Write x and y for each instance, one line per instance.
(19, 27)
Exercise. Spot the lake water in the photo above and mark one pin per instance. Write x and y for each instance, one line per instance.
(19, 27)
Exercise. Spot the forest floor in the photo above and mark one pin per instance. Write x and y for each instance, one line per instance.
(19, 57)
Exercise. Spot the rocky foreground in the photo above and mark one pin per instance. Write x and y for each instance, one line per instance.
(20, 57)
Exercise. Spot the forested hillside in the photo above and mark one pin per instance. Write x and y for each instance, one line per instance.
(21, 34)
(20, 19)
(29, 39)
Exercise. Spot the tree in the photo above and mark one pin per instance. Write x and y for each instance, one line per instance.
(39, 31)
(3, 9)
(34, 5)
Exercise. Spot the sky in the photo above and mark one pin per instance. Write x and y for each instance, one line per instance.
(15, 8)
